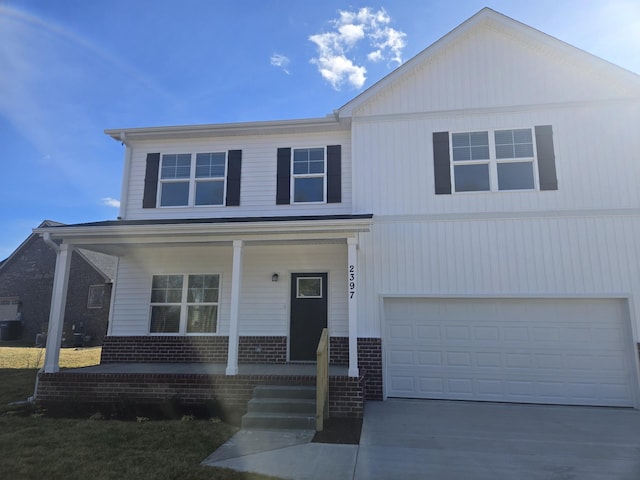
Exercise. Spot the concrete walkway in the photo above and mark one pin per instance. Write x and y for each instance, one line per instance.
(416, 439)
(288, 454)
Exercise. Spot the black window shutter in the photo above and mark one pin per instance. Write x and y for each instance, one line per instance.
(334, 173)
(151, 181)
(441, 163)
(283, 185)
(234, 168)
(546, 158)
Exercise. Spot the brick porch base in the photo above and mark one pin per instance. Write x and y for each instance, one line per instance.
(346, 398)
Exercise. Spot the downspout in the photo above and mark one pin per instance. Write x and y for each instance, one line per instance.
(124, 190)
(54, 246)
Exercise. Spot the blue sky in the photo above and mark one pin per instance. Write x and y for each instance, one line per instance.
(71, 68)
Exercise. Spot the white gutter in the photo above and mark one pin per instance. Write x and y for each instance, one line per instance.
(47, 239)
(124, 190)
(324, 124)
(221, 228)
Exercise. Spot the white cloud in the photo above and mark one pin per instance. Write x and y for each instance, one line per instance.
(281, 61)
(351, 28)
(111, 202)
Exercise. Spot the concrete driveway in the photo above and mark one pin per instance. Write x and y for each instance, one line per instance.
(440, 440)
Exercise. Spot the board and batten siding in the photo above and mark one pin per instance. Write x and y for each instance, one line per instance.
(258, 175)
(596, 158)
(489, 68)
(264, 308)
(546, 256)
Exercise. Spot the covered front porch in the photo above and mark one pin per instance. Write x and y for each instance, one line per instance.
(256, 264)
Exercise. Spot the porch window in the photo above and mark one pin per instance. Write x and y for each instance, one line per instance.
(184, 304)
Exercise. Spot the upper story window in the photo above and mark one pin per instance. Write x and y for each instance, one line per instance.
(175, 176)
(494, 160)
(185, 179)
(308, 175)
(184, 304)
(182, 185)
(490, 161)
(210, 174)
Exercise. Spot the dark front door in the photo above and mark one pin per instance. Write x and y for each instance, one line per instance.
(308, 314)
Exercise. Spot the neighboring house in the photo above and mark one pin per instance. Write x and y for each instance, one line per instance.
(466, 228)
(26, 280)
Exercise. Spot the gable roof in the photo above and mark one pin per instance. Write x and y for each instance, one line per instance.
(103, 264)
(26, 243)
(487, 18)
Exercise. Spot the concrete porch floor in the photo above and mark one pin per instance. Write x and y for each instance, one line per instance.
(266, 369)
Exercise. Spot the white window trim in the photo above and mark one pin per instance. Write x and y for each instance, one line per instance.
(294, 176)
(184, 306)
(493, 162)
(192, 180)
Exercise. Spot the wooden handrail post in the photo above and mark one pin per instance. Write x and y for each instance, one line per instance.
(322, 380)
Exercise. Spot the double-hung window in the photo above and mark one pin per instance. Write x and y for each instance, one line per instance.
(184, 304)
(493, 160)
(514, 157)
(175, 177)
(471, 161)
(309, 175)
(187, 180)
(209, 181)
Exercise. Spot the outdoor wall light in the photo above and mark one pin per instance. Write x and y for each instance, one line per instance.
(275, 277)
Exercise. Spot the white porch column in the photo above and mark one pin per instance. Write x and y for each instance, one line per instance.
(352, 283)
(236, 285)
(58, 303)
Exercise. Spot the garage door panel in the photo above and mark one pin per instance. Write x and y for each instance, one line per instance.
(567, 351)
(430, 359)
(486, 334)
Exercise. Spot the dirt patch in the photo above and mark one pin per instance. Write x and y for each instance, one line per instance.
(340, 430)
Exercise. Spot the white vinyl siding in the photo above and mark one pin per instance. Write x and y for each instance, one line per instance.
(264, 308)
(584, 137)
(497, 255)
(489, 69)
(258, 181)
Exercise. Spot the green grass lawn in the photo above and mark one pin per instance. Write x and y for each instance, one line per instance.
(33, 445)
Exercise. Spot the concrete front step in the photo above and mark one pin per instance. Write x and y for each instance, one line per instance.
(285, 391)
(262, 420)
(281, 407)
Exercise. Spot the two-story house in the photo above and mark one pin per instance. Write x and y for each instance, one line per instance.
(465, 228)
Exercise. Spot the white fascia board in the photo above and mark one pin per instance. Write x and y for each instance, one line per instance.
(329, 123)
(186, 233)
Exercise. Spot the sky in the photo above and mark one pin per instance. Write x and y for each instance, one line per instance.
(69, 69)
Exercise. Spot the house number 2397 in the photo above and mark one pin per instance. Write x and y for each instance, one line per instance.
(352, 281)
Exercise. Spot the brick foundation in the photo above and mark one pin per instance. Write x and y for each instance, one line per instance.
(192, 349)
(346, 397)
(339, 350)
(369, 362)
(370, 365)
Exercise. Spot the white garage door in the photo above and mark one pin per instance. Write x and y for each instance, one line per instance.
(554, 351)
